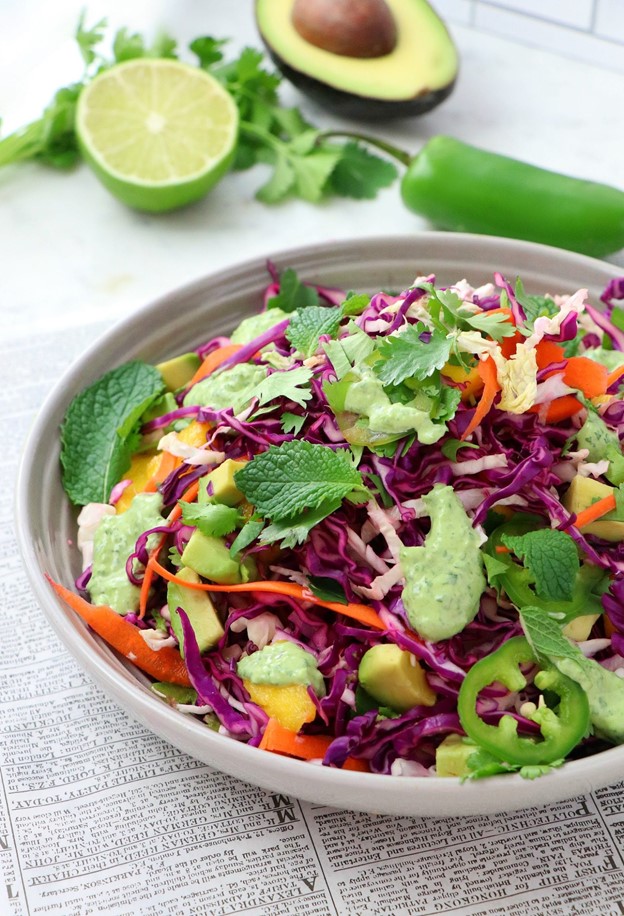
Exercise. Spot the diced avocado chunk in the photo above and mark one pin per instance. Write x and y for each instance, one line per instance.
(584, 492)
(219, 486)
(199, 609)
(178, 372)
(175, 693)
(452, 756)
(580, 628)
(210, 557)
(394, 678)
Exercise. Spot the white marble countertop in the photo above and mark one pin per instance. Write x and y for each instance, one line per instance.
(71, 253)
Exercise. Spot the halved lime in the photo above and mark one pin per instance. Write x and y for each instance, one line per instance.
(157, 133)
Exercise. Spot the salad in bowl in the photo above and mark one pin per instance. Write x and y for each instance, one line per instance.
(375, 532)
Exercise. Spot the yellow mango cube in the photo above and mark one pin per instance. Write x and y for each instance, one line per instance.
(194, 434)
(290, 704)
(142, 469)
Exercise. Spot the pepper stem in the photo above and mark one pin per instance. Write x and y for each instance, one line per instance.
(394, 151)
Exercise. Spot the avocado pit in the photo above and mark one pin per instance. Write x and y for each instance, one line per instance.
(350, 28)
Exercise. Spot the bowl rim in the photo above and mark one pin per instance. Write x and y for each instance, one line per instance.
(320, 785)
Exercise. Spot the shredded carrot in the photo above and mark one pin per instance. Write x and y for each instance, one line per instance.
(508, 344)
(487, 371)
(280, 740)
(502, 549)
(615, 376)
(595, 511)
(168, 463)
(359, 612)
(547, 352)
(163, 664)
(587, 375)
(213, 361)
(560, 409)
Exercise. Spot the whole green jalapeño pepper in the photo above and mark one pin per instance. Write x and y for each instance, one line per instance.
(561, 728)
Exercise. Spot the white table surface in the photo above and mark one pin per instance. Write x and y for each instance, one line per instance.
(71, 252)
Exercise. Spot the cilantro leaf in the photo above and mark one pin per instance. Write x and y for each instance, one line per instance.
(534, 306)
(297, 475)
(212, 519)
(327, 589)
(288, 384)
(495, 569)
(208, 50)
(360, 174)
(246, 536)
(545, 636)
(451, 446)
(128, 45)
(88, 39)
(481, 764)
(293, 294)
(407, 355)
(292, 422)
(307, 325)
(552, 559)
(294, 531)
(495, 326)
(100, 430)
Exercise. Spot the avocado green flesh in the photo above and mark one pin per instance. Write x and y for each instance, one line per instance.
(210, 557)
(199, 610)
(394, 678)
(423, 61)
(178, 372)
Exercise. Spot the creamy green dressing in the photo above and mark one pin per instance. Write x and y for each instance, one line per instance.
(230, 388)
(612, 359)
(444, 578)
(605, 692)
(254, 326)
(282, 663)
(113, 543)
(367, 397)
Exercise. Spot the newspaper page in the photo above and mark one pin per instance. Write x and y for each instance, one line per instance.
(99, 816)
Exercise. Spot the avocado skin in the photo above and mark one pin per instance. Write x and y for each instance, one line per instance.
(359, 107)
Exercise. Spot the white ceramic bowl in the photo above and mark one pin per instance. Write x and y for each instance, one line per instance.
(175, 323)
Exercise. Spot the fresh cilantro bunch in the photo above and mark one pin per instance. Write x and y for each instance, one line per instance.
(302, 161)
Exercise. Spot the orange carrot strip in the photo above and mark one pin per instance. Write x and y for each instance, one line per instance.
(502, 549)
(487, 371)
(560, 409)
(547, 352)
(359, 612)
(596, 510)
(615, 376)
(213, 361)
(499, 311)
(280, 740)
(587, 375)
(509, 344)
(168, 463)
(163, 664)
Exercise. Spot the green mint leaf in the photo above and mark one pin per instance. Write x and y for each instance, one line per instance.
(212, 519)
(360, 174)
(293, 531)
(100, 430)
(208, 50)
(327, 589)
(297, 475)
(495, 326)
(355, 304)
(246, 536)
(88, 39)
(293, 294)
(307, 325)
(406, 355)
(292, 422)
(552, 559)
(451, 446)
(545, 636)
(290, 384)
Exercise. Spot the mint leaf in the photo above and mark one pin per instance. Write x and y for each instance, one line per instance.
(552, 559)
(292, 422)
(297, 475)
(327, 589)
(360, 174)
(407, 355)
(355, 303)
(212, 519)
(307, 325)
(100, 430)
(246, 536)
(284, 384)
(294, 531)
(451, 446)
(545, 636)
(293, 294)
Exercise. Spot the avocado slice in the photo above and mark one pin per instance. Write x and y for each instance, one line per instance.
(412, 74)
(584, 492)
(178, 372)
(452, 756)
(210, 557)
(218, 486)
(394, 678)
(199, 609)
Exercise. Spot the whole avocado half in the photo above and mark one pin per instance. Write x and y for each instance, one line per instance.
(413, 77)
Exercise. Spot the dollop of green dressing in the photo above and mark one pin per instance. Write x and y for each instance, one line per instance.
(444, 578)
(230, 388)
(113, 543)
(255, 325)
(282, 663)
(605, 692)
(367, 397)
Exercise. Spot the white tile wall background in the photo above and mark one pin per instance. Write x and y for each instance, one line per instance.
(588, 30)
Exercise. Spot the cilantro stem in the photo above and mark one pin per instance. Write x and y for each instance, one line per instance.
(394, 151)
(22, 144)
(252, 130)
